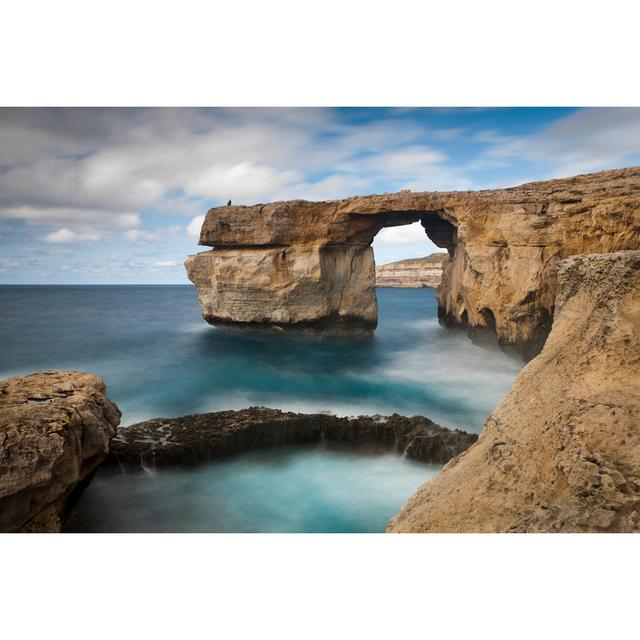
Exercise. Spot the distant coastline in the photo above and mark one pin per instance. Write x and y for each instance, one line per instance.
(412, 273)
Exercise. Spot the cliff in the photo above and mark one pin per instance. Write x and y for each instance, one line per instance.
(301, 264)
(55, 428)
(412, 273)
(562, 450)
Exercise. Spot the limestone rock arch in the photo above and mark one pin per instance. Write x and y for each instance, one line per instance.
(309, 265)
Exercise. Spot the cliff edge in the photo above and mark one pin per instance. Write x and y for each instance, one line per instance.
(562, 450)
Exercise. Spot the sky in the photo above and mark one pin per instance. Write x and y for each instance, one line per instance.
(110, 196)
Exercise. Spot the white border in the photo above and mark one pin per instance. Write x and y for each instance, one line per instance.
(334, 52)
(400, 53)
(319, 586)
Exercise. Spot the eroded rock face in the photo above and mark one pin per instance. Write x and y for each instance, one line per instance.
(55, 428)
(412, 273)
(562, 450)
(503, 245)
(298, 287)
(201, 437)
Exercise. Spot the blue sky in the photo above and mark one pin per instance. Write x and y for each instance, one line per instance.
(117, 195)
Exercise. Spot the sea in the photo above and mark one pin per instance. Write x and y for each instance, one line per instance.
(159, 358)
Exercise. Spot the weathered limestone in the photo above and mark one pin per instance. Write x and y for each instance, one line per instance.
(205, 436)
(306, 286)
(55, 428)
(562, 450)
(503, 246)
(413, 272)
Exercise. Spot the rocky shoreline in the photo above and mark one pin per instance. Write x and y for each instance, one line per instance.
(55, 428)
(201, 437)
(58, 427)
(561, 452)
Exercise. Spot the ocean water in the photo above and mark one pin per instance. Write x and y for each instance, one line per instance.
(158, 356)
(294, 489)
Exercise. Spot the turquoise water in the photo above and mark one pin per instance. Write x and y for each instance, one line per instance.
(281, 489)
(159, 358)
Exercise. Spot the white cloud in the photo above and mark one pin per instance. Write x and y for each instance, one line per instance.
(128, 220)
(407, 234)
(332, 187)
(244, 182)
(147, 236)
(165, 263)
(447, 134)
(81, 221)
(5, 264)
(66, 236)
(398, 243)
(193, 228)
(587, 140)
(406, 161)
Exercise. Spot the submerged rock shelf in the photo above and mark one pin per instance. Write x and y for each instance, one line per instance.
(201, 437)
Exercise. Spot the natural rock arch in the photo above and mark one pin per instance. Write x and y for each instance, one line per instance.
(309, 265)
(296, 265)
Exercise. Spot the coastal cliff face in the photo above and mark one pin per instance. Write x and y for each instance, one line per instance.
(562, 450)
(412, 273)
(297, 264)
(303, 287)
(55, 428)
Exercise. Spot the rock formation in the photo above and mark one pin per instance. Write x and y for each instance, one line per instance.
(412, 273)
(309, 264)
(295, 287)
(55, 428)
(562, 450)
(201, 437)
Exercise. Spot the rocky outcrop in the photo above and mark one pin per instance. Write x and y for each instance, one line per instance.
(297, 287)
(55, 428)
(562, 450)
(412, 273)
(201, 437)
(309, 264)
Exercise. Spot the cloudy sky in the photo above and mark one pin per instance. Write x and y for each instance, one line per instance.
(118, 195)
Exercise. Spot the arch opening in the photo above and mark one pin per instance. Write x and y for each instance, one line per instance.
(408, 249)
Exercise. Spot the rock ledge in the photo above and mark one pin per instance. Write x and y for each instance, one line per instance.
(201, 437)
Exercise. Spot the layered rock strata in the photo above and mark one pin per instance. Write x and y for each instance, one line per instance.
(412, 273)
(562, 450)
(331, 289)
(55, 428)
(297, 263)
(201, 437)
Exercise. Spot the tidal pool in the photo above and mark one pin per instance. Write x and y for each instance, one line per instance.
(294, 489)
